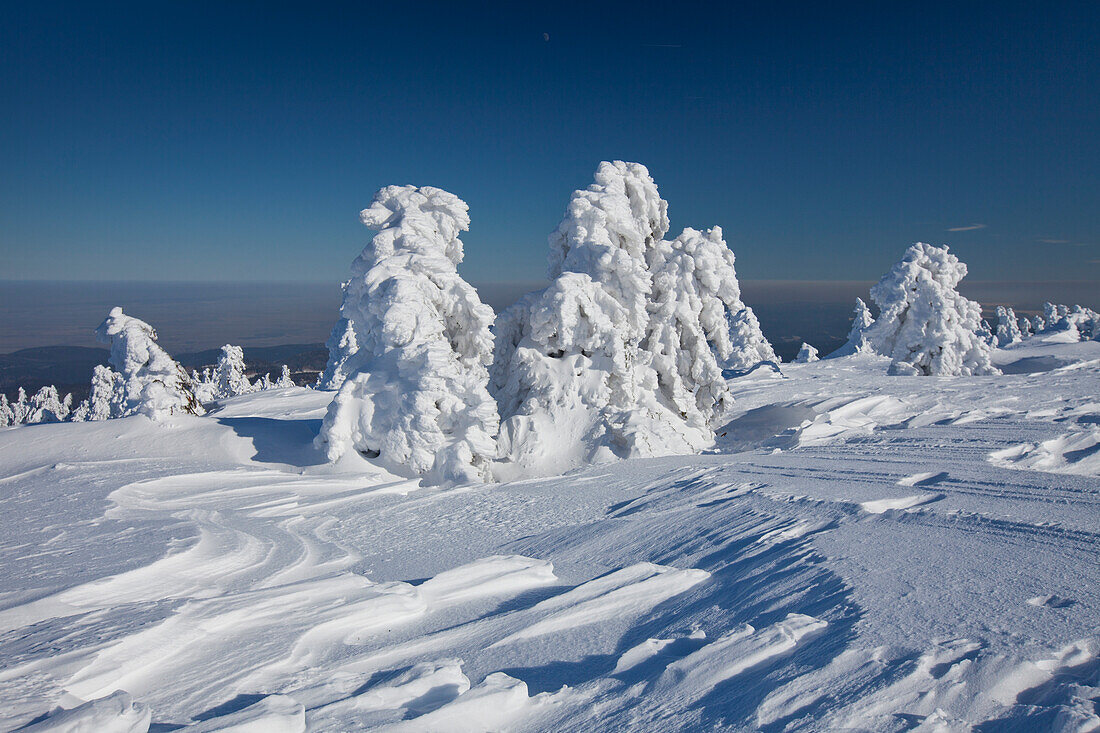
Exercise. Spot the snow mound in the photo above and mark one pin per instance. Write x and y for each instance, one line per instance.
(924, 324)
(416, 394)
(273, 714)
(115, 713)
(1076, 453)
(807, 354)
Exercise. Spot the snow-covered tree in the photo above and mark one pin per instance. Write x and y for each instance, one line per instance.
(20, 408)
(148, 381)
(263, 383)
(985, 333)
(693, 301)
(7, 415)
(47, 405)
(1038, 324)
(284, 379)
(857, 335)
(418, 398)
(806, 354)
(588, 369)
(229, 373)
(342, 347)
(925, 326)
(1025, 327)
(1008, 329)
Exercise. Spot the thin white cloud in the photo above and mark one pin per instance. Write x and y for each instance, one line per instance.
(1054, 241)
(968, 228)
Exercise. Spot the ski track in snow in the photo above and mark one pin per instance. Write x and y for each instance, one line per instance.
(859, 552)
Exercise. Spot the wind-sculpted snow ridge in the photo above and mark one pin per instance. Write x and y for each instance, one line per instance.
(621, 355)
(145, 380)
(416, 395)
(925, 326)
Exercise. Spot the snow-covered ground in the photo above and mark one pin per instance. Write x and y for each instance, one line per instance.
(859, 551)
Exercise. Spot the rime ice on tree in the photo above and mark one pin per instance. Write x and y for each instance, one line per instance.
(147, 380)
(1008, 328)
(925, 325)
(806, 354)
(857, 335)
(229, 378)
(418, 398)
(588, 369)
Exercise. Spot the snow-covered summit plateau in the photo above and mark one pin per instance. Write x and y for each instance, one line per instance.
(860, 551)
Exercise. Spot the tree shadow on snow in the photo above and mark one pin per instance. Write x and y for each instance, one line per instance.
(279, 441)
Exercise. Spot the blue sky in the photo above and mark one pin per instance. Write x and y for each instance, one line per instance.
(226, 141)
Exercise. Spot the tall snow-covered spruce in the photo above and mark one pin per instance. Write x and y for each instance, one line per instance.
(147, 380)
(924, 324)
(417, 399)
(621, 355)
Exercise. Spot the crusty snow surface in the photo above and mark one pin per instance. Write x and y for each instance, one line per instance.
(858, 552)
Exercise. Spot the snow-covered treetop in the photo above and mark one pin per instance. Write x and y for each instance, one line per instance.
(133, 345)
(606, 233)
(620, 210)
(424, 221)
(924, 325)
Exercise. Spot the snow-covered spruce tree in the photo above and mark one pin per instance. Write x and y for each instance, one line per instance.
(20, 408)
(693, 301)
(7, 415)
(857, 335)
(1038, 325)
(924, 324)
(342, 348)
(1025, 327)
(1008, 329)
(229, 377)
(147, 381)
(588, 368)
(284, 379)
(418, 399)
(807, 354)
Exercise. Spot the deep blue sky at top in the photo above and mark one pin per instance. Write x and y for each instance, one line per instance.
(239, 140)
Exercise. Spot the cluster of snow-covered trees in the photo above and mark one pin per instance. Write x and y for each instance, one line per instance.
(621, 355)
(45, 405)
(627, 352)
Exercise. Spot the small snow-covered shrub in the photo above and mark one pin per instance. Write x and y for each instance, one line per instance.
(1008, 329)
(806, 355)
(417, 398)
(284, 379)
(146, 379)
(924, 324)
(857, 335)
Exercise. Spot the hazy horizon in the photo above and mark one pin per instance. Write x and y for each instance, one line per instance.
(194, 316)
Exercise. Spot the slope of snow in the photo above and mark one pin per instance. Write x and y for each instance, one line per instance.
(858, 551)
